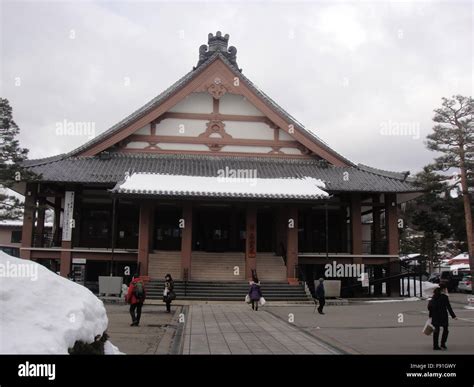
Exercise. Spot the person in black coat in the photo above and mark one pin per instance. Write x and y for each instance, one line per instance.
(321, 295)
(439, 307)
(168, 293)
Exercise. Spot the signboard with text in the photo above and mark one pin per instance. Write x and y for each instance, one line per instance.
(68, 219)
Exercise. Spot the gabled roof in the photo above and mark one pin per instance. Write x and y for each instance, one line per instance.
(227, 56)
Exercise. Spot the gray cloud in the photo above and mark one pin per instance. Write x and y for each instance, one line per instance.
(347, 71)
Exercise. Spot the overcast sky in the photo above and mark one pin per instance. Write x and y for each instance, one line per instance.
(351, 72)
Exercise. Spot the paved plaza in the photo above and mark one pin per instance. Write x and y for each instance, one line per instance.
(278, 328)
(236, 329)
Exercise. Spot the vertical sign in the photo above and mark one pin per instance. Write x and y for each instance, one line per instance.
(252, 241)
(68, 218)
(365, 279)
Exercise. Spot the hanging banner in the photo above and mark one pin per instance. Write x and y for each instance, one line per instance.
(68, 218)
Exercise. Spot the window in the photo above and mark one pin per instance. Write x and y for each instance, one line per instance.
(16, 236)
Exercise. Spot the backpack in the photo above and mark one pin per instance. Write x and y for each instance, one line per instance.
(139, 291)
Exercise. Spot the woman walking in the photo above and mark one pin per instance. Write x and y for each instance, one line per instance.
(168, 292)
(255, 293)
(439, 307)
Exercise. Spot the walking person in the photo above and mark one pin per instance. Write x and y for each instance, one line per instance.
(439, 306)
(136, 297)
(255, 292)
(168, 293)
(321, 295)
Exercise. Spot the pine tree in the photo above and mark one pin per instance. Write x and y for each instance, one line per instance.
(11, 156)
(453, 137)
(428, 216)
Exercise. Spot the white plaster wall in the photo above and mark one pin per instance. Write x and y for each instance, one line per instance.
(137, 145)
(249, 130)
(179, 127)
(192, 147)
(246, 149)
(237, 104)
(284, 136)
(194, 103)
(145, 130)
(291, 151)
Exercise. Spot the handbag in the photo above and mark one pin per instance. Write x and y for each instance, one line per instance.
(262, 301)
(428, 328)
(247, 299)
(172, 295)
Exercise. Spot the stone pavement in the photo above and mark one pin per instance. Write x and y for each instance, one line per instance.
(236, 329)
(145, 339)
(382, 328)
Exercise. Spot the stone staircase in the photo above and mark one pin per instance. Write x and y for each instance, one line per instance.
(227, 291)
(217, 267)
(214, 277)
(161, 263)
(271, 268)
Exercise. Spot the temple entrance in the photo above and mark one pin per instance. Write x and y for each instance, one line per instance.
(218, 229)
(266, 230)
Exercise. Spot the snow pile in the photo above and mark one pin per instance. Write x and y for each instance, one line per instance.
(252, 186)
(427, 287)
(43, 313)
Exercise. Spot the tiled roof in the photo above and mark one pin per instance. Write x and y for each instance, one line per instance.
(112, 169)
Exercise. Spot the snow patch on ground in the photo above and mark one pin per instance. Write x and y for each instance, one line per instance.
(427, 287)
(110, 349)
(409, 299)
(44, 313)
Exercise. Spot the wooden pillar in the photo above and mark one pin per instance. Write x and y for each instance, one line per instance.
(376, 227)
(251, 241)
(40, 221)
(308, 231)
(144, 235)
(28, 220)
(292, 245)
(391, 227)
(57, 221)
(356, 224)
(186, 239)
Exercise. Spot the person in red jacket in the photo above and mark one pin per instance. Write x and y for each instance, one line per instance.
(136, 297)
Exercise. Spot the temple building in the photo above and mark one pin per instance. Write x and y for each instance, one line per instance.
(213, 181)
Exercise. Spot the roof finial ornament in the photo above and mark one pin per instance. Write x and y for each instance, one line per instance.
(218, 43)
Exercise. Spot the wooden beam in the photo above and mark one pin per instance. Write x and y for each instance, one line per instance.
(214, 116)
(214, 140)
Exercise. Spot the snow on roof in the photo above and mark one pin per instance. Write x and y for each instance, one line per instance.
(461, 266)
(19, 223)
(10, 222)
(216, 186)
(460, 257)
